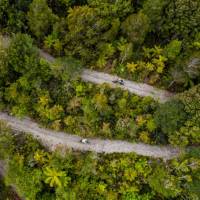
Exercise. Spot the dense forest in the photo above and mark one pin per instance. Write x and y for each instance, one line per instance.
(38, 174)
(55, 95)
(155, 42)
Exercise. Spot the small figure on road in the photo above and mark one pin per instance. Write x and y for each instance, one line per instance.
(84, 141)
(120, 81)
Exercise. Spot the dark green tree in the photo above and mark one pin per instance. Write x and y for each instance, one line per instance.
(4, 4)
(164, 183)
(170, 116)
(181, 19)
(135, 27)
(40, 18)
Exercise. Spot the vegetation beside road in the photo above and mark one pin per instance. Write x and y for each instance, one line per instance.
(76, 175)
(154, 42)
(55, 95)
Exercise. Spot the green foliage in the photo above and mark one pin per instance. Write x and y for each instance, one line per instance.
(6, 141)
(53, 177)
(23, 55)
(76, 175)
(190, 99)
(135, 27)
(25, 72)
(192, 67)
(135, 196)
(52, 42)
(153, 9)
(120, 8)
(164, 183)
(106, 51)
(13, 15)
(3, 64)
(23, 177)
(181, 19)
(4, 4)
(66, 68)
(151, 67)
(189, 132)
(40, 18)
(58, 98)
(6, 192)
(125, 49)
(60, 7)
(170, 116)
(108, 35)
(87, 28)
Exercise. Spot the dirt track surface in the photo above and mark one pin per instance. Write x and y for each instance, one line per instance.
(53, 140)
(2, 168)
(140, 89)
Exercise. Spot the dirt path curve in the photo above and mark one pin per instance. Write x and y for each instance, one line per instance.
(53, 139)
(140, 89)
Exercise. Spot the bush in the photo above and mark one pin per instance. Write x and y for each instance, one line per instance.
(165, 184)
(135, 27)
(189, 132)
(76, 175)
(180, 19)
(190, 99)
(170, 116)
(23, 55)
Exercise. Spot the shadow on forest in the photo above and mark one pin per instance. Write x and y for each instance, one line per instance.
(7, 192)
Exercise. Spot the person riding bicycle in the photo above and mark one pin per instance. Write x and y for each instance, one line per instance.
(120, 81)
(84, 141)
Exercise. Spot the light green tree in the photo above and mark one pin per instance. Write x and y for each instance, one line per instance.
(53, 177)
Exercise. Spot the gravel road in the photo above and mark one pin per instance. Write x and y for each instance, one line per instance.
(140, 89)
(53, 140)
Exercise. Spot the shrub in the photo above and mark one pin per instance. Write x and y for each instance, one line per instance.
(165, 184)
(135, 27)
(170, 116)
(40, 18)
(172, 50)
(23, 55)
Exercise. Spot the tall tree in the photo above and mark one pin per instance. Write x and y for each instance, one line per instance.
(135, 27)
(40, 18)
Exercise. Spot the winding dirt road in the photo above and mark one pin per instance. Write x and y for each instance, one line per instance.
(140, 89)
(2, 168)
(53, 140)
